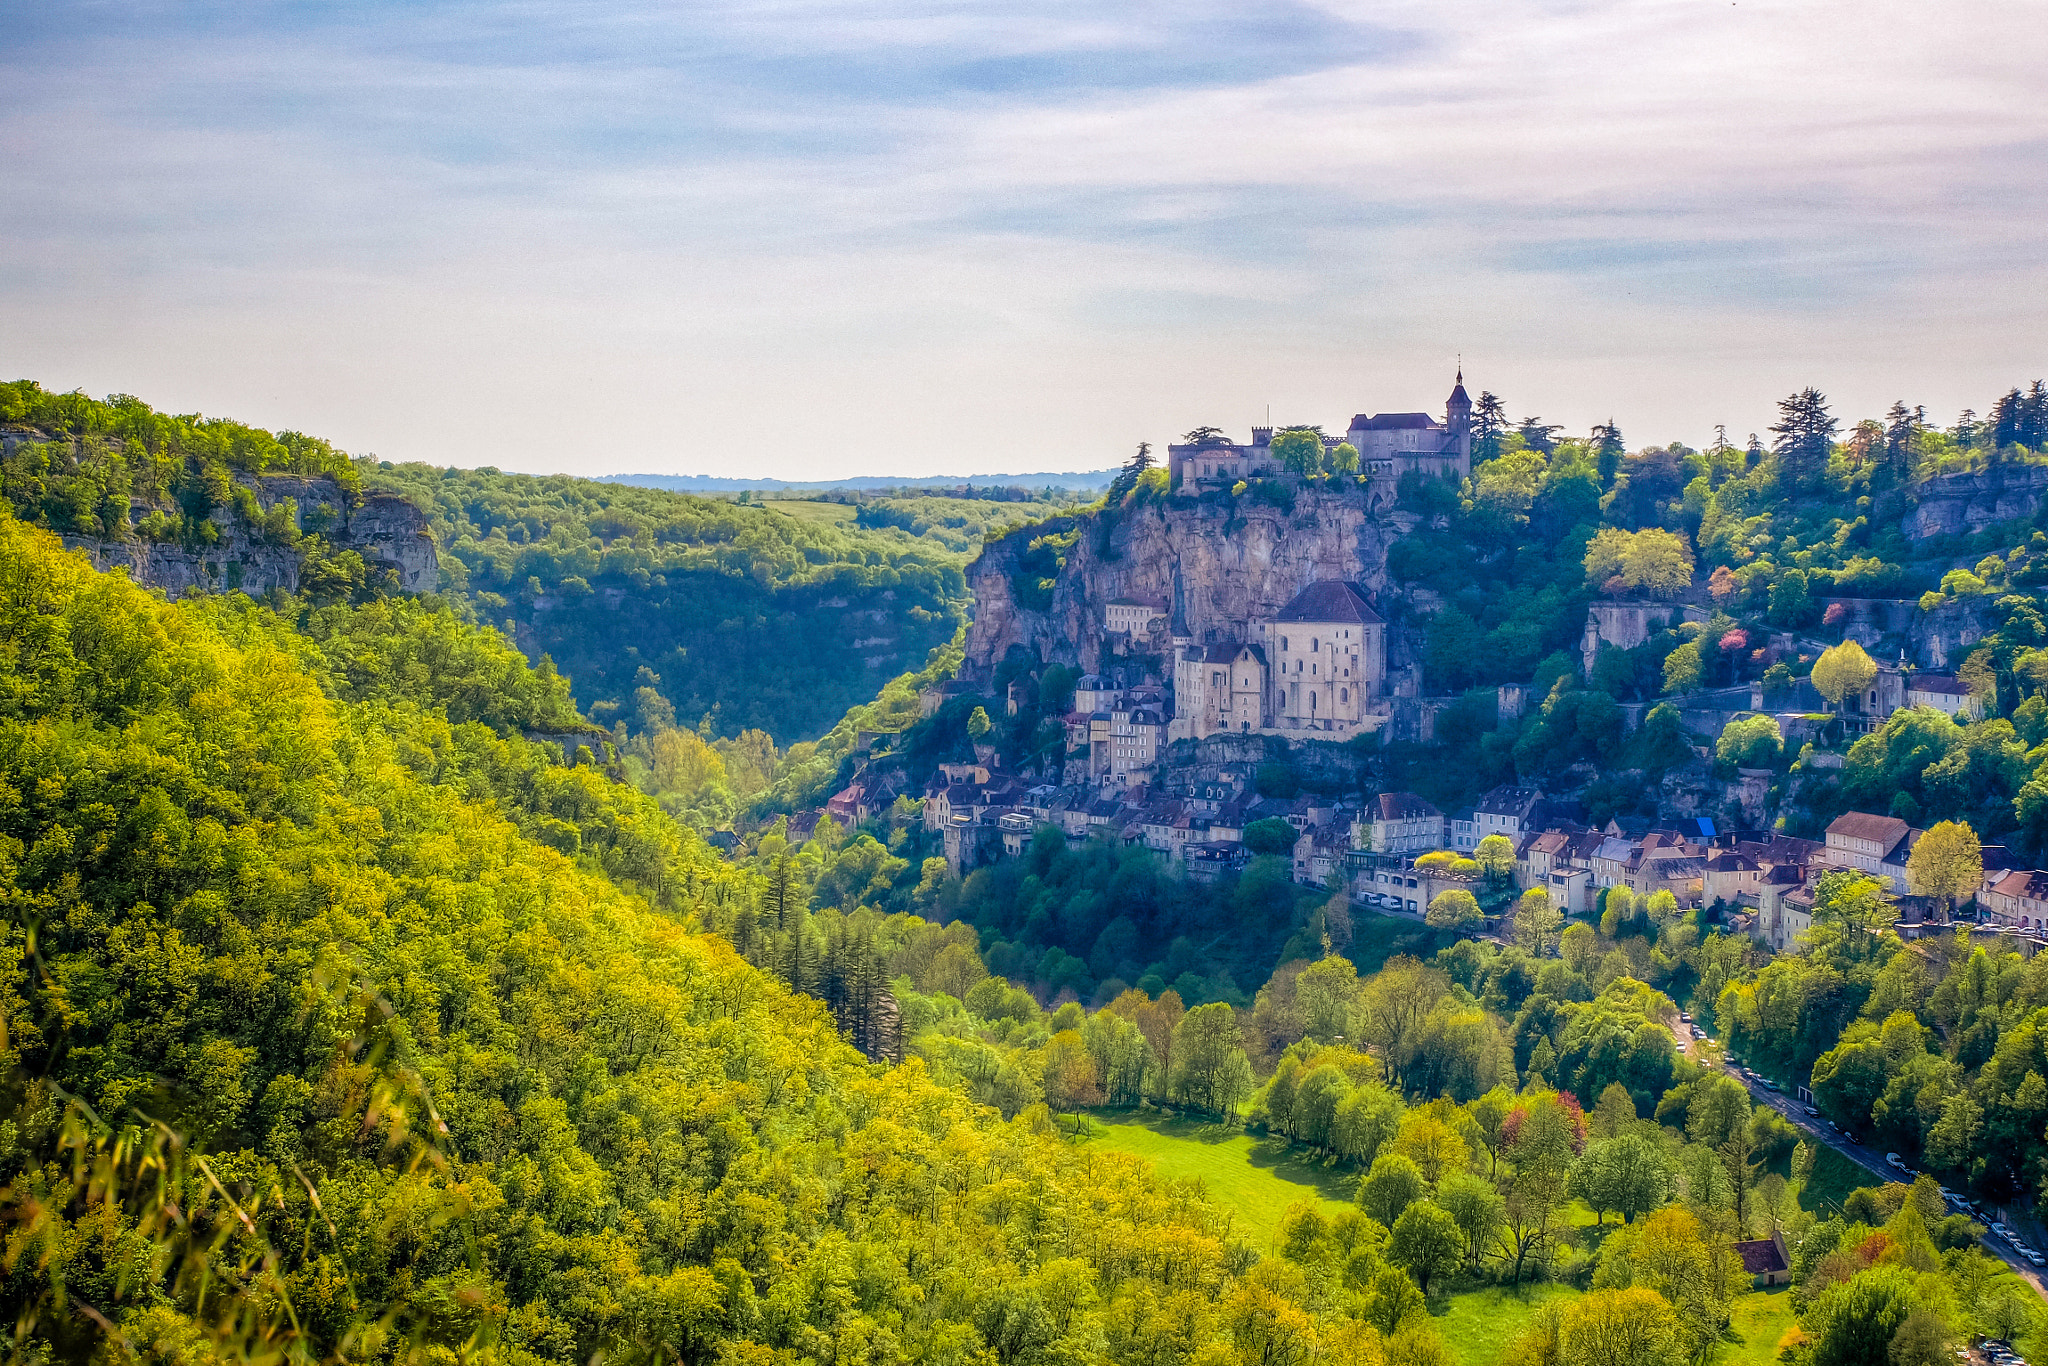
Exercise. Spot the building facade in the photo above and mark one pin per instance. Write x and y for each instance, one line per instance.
(1389, 445)
(1328, 655)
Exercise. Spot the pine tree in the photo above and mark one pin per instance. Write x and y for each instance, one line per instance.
(2034, 417)
(1901, 437)
(1489, 425)
(1134, 469)
(1806, 438)
(1967, 428)
(1607, 449)
(778, 898)
(1538, 435)
(2007, 419)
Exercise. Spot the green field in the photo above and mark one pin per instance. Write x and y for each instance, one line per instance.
(1478, 1325)
(1256, 1179)
(821, 514)
(1758, 1321)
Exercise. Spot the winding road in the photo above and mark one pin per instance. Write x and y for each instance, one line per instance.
(1870, 1161)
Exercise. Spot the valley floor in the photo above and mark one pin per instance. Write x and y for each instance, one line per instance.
(1257, 1178)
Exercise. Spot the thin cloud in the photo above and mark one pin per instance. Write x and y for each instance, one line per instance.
(825, 237)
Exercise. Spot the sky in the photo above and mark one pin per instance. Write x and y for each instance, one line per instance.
(809, 239)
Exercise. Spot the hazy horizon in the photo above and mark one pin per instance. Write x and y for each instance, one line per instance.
(812, 240)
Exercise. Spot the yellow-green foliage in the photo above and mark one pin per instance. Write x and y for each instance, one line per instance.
(318, 1050)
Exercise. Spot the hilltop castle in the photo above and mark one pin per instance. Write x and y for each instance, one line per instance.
(1389, 445)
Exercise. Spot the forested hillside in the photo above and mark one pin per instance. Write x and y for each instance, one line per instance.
(756, 618)
(1786, 549)
(662, 608)
(343, 1021)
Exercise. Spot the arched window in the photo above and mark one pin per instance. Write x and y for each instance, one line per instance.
(1343, 694)
(1315, 643)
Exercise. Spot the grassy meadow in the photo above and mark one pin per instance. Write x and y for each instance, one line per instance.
(1256, 1178)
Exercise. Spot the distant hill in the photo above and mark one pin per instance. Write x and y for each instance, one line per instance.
(705, 483)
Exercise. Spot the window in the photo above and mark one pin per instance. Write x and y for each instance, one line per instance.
(1314, 644)
(1343, 695)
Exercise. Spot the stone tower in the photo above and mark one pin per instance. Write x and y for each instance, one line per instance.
(1458, 417)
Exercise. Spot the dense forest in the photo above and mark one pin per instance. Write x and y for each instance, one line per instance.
(343, 1021)
(1775, 532)
(668, 608)
(662, 608)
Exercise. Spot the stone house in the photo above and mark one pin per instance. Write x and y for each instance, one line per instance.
(1399, 823)
(2017, 900)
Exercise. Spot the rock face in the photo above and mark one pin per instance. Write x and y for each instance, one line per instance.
(1220, 561)
(1962, 503)
(387, 531)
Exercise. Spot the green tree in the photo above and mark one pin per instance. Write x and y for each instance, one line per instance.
(1683, 672)
(1627, 1173)
(1426, 1242)
(1805, 436)
(1454, 909)
(1632, 1327)
(1210, 1069)
(1843, 671)
(1344, 459)
(1750, 742)
(1495, 856)
(1536, 922)
(1947, 863)
(1300, 451)
(1269, 835)
(1392, 1184)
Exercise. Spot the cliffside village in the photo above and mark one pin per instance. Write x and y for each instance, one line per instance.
(1120, 781)
(1319, 670)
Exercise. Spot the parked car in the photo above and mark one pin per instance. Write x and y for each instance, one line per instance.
(1813, 1112)
(1685, 1017)
(1894, 1160)
(2001, 1230)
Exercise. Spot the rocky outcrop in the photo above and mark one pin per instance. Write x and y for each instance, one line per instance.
(1220, 561)
(1953, 504)
(386, 530)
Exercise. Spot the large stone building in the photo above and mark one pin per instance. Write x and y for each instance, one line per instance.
(1389, 445)
(1319, 666)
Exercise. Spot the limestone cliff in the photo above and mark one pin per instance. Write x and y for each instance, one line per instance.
(387, 531)
(1962, 503)
(1220, 561)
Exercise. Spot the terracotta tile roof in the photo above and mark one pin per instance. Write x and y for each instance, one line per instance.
(1883, 831)
(2023, 882)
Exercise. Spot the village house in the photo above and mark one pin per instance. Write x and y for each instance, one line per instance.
(1131, 616)
(1875, 845)
(1399, 823)
(2016, 900)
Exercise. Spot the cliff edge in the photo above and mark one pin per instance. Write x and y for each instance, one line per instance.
(1212, 563)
